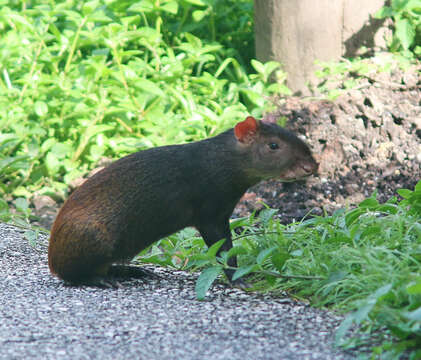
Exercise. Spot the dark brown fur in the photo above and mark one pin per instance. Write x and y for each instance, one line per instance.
(153, 193)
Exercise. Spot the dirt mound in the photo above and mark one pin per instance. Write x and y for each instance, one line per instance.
(367, 139)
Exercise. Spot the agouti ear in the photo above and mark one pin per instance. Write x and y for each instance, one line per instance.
(244, 130)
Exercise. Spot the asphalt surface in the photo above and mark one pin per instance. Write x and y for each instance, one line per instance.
(41, 318)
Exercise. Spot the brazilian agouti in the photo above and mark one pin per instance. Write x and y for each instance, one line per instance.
(150, 194)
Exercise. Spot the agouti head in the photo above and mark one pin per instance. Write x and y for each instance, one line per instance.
(275, 152)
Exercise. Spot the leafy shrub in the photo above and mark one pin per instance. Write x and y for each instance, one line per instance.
(85, 80)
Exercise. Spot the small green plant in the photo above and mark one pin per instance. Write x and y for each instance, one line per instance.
(20, 215)
(406, 15)
(340, 76)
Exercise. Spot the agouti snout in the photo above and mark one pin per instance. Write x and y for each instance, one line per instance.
(150, 194)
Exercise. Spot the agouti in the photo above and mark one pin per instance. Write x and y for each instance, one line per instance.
(150, 194)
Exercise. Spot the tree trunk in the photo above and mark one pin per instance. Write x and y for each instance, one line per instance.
(297, 32)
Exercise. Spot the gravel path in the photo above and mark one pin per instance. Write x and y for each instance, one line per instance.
(40, 318)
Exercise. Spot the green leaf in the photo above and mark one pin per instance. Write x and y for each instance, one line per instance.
(242, 271)
(205, 281)
(31, 236)
(414, 315)
(89, 7)
(198, 15)
(279, 258)
(254, 97)
(399, 5)
(384, 12)
(61, 150)
(53, 164)
(21, 191)
(215, 247)
(343, 328)
(236, 223)
(10, 164)
(41, 108)
(352, 216)
(362, 313)
(368, 203)
(170, 7)
(336, 276)
(414, 289)
(405, 32)
(237, 250)
(148, 86)
(142, 6)
(266, 215)
(263, 255)
(258, 66)
(297, 253)
(21, 204)
(405, 193)
(96, 152)
(196, 2)
(96, 129)
(4, 207)
(265, 69)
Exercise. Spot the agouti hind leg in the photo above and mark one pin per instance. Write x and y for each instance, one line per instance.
(130, 272)
(112, 276)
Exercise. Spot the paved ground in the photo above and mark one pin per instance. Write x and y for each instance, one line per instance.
(40, 318)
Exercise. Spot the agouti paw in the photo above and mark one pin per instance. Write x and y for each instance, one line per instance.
(240, 284)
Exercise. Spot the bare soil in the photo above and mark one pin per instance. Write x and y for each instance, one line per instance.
(367, 139)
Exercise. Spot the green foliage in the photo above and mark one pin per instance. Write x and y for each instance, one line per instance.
(20, 216)
(339, 76)
(85, 80)
(406, 15)
(365, 261)
(412, 199)
(369, 259)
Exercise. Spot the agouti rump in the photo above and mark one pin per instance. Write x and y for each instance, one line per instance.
(150, 194)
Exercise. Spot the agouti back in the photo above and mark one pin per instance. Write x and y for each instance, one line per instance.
(150, 194)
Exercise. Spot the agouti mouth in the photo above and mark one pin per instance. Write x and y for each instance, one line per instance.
(298, 178)
(304, 171)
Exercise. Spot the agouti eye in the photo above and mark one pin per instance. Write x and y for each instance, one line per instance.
(273, 146)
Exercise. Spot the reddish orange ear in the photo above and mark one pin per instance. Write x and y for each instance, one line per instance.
(245, 129)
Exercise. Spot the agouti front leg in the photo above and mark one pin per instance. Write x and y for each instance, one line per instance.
(212, 233)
